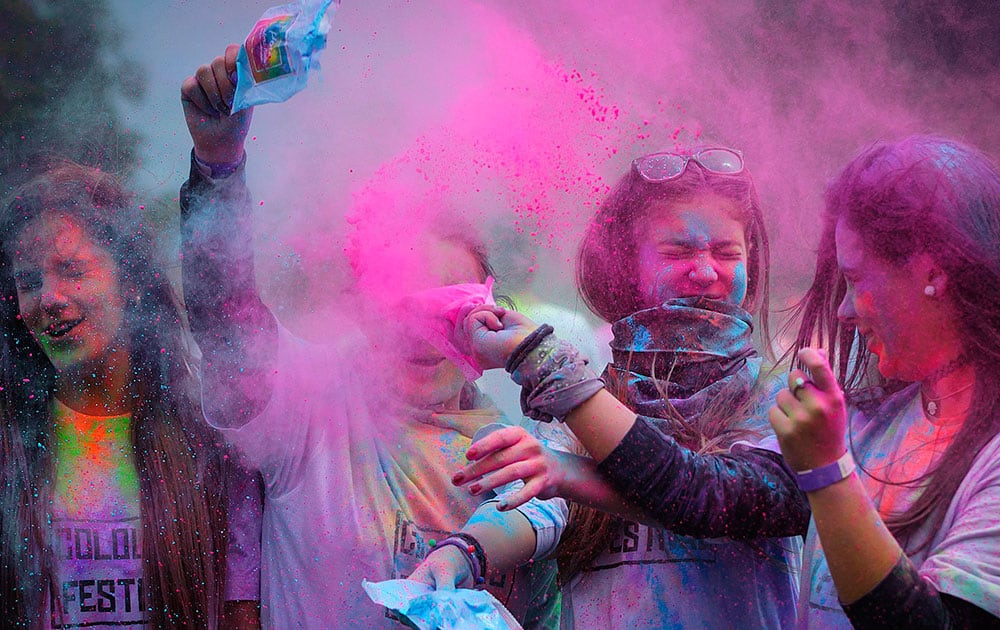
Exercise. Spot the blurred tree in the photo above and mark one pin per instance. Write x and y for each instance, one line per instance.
(63, 77)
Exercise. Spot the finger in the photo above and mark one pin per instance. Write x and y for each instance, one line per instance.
(492, 308)
(232, 51)
(513, 318)
(206, 79)
(488, 314)
(516, 471)
(495, 441)
(422, 574)
(222, 80)
(532, 488)
(799, 383)
(819, 368)
(788, 404)
(779, 421)
(192, 93)
(486, 465)
(477, 320)
(445, 577)
(522, 451)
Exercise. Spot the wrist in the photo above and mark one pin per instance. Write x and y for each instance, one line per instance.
(230, 157)
(819, 477)
(469, 547)
(525, 345)
(450, 556)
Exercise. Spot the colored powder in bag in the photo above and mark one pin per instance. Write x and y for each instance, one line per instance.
(274, 60)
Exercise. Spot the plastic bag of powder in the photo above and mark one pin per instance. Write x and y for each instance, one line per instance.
(424, 608)
(274, 61)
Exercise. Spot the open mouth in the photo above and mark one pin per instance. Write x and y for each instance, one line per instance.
(61, 329)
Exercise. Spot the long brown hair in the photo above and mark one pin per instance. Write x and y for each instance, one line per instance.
(607, 273)
(927, 195)
(178, 459)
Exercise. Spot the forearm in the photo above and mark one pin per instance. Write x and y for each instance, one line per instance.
(859, 548)
(600, 424)
(507, 537)
(749, 494)
(236, 332)
(583, 484)
(904, 594)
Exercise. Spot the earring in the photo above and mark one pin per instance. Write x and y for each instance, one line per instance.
(930, 291)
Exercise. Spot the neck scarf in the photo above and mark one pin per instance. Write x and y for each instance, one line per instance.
(692, 349)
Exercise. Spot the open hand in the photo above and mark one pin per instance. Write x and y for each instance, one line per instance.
(509, 455)
(810, 417)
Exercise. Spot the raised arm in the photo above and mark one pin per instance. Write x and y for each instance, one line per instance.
(876, 582)
(745, 494)
(235, 330)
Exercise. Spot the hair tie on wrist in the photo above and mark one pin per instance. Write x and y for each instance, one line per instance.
(818, 478)
(530, 343)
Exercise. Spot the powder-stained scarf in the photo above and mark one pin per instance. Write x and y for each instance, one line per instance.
(692, 349)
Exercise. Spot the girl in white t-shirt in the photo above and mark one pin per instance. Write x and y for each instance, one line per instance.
(909, 262)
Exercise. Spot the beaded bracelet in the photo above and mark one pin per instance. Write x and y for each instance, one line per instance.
(477, 549)
(472, 551)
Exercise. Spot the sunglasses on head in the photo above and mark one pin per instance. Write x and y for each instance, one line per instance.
(663, 167)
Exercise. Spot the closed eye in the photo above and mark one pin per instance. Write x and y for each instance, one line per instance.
(728, 253)
(676, 252)
(74, 269)
(27, 282)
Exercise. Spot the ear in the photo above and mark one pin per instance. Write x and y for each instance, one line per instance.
(930, 274)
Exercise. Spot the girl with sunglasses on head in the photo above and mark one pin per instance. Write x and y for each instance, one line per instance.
(908, 275)
(109, 484)
(676, 260)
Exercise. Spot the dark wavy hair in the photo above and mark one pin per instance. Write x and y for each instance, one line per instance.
(178, 459)
(607, 277)
(608, 263)
(934, 196)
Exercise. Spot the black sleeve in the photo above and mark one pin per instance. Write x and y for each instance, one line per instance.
(905, 596)
(750, 493)
(234, 329)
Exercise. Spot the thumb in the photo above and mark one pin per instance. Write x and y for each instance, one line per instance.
(445, 578)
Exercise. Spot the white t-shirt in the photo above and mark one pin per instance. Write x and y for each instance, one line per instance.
(350, 493)
(963, 555)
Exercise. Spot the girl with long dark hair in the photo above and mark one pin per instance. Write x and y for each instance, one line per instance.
(908, 275)
(108, 498)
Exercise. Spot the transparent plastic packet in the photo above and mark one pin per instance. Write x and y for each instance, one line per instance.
(275, 59)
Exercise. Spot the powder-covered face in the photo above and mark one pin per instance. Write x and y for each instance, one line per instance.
(68, 291)
(426, 379)
(692, 247)
(886, 301)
